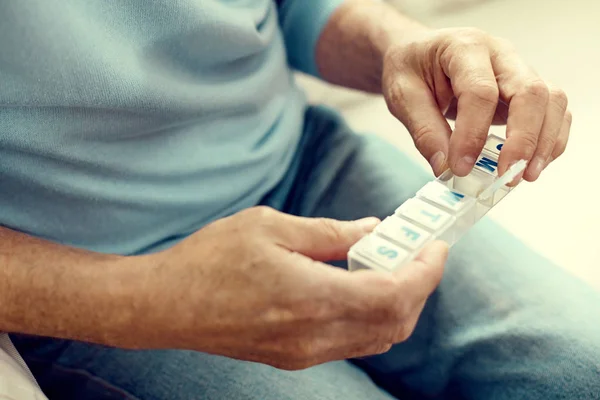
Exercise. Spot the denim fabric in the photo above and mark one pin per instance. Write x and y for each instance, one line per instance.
(505, 323)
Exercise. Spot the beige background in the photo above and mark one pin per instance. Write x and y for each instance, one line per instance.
(559, 214)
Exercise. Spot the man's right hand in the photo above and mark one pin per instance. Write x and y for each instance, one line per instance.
(254, 286)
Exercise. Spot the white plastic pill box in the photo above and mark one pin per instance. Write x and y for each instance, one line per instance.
(444, 209)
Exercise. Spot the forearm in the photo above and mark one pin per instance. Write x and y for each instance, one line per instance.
(52, 290)
(352, 46)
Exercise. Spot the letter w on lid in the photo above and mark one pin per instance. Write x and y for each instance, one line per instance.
(487, 164)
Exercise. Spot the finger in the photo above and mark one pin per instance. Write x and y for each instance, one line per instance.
(411, 101)
(321, 239)
(500, 116)
(407, 327)
(551, 127)
(420, 277)
(391, 317)
(326, 342)
(527, 96)
(359, 340)
(563, 137)
(364, 350)
(476, 90)
(356, 340)
(347, 352)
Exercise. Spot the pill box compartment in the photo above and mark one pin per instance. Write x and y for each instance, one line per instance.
(445, 209)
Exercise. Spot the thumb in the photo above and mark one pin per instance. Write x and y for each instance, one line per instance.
(322, 239)
(413, 103)
(420, 277)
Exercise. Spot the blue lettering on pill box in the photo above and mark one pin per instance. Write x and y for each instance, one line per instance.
(499, 147)
(412, 235)
(488, 164)
(433, 217)
(452, 197)
(387, 252)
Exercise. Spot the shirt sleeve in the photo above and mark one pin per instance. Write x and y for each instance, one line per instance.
(302, 22)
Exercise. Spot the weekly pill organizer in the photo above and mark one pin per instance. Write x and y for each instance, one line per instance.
(443, 209)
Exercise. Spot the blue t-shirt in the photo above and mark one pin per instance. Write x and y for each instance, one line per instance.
(127, 125)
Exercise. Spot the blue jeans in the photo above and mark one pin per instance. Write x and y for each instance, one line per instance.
(504, 324)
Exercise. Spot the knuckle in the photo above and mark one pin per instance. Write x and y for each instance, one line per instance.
(262, 218)
(537, 89)
(404, 332)
(396, 99)
(546, 144)
(474, 141)
(330, 229)
(262, 212)
(559, 97)
(313, 311)
(388, 334)
(381, 348)
(420, 132)
(471, 36)
(485, 92)
(423, 137)
(528, 142)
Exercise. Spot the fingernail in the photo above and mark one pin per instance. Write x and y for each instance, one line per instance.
(438, 162)
(537, 166)
(464, 166)
(367, 224)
